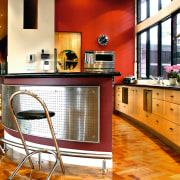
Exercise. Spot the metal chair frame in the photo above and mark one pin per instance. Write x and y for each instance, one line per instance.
(28, 155)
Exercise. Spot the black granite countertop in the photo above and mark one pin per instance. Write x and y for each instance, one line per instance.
(177, 87)
(62, 75)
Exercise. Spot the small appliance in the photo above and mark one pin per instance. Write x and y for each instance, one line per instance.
(129, 79)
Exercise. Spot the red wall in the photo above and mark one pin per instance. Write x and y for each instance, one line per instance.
(114, 18)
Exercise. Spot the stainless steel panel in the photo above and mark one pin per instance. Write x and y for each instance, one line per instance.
(77, 111)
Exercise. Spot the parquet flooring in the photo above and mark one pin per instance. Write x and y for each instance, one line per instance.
(137, 155)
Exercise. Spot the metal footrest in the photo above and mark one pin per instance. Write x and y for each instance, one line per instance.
(31, 154)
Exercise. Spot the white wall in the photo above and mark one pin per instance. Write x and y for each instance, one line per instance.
(22, 42)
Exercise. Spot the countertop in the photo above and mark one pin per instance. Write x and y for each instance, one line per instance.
(62, 75)
(177, 87)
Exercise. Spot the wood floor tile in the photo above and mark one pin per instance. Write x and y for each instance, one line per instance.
(137, 155)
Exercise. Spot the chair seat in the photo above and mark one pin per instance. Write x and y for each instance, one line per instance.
(33, 114)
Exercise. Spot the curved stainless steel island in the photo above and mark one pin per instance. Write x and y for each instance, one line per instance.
(82, 103)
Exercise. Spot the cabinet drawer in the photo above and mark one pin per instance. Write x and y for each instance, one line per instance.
(172, 112)
(118, 88)
(118, 106)
(172, 96)
(157, 124)
(158, 94)
(124, 108)
(171, 131)
(118, 96)
(158, 107)
(147, 119)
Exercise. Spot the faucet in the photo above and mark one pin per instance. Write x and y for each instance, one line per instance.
(157, 79)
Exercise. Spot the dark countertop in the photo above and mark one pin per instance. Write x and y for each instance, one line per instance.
(152, 86)
(62, 75)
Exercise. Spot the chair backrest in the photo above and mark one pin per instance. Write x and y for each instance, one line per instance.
(30, 101)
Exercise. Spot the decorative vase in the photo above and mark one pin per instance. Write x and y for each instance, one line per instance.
(172, 81)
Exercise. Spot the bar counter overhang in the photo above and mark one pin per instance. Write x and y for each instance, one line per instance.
(81, 79)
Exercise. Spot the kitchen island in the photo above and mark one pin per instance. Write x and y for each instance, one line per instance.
(82, 103)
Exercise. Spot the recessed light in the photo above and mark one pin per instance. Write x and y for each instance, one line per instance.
(0, 26)
(1, 14)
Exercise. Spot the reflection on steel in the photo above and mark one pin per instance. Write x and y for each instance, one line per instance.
(77, 111)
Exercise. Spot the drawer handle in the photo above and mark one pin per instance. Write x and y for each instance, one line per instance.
(171, 129)
(147, 116)
(171, 109)
(157, 104)
(171, 96)
(157, 121)
(157, 94)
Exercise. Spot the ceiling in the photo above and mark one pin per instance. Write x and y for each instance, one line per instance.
(3, 18)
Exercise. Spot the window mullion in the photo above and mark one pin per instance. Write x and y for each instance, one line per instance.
(173, 42)
(148, 54)
(159, 49)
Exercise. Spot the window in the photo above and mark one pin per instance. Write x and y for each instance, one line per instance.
(166, 45)
(153, 55)
(154, 8)
(149, 8)
(142, 10)
(142, 39)
(164, 3)
(157, 44)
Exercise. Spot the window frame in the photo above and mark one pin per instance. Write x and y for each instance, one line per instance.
(171, 16)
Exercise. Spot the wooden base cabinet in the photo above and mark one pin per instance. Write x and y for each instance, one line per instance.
(156, 108)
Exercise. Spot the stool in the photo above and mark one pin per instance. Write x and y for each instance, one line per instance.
(31, 115)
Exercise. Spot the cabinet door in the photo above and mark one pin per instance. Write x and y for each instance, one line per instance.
(147, 119)
(172, 112)
(171, 131)
(158, 94)
(118, 97)
(172, 96)
(158, 107)
(158, 123)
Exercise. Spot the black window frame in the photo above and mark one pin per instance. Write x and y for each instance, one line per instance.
(173, 17)
(148, 9)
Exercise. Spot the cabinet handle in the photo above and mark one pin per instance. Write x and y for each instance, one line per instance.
(157, 94)
(157, 104)
(171, 109)
(147, 116)
(157, 121)
(171, 96)
(171, 129)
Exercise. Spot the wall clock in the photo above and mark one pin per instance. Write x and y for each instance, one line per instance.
(103, 40)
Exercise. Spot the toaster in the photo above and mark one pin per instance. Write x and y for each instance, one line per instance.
(129, 80)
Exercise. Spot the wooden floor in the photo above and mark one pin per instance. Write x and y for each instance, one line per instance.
(137, 155)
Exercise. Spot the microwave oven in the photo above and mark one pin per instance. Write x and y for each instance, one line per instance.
(99, 60)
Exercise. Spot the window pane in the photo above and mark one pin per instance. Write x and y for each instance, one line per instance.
(142, 54)
(154, 51)
(142, 4)
(166, 45)
(165, 3)
(153, 7)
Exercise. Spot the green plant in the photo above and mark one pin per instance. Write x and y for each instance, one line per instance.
(178, 78)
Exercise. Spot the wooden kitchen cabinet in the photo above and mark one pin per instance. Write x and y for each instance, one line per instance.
(156, 108)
